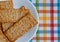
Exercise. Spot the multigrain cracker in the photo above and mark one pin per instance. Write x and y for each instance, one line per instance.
(5, 26)
(12, 15)
(6, 4)
(21, 27)
(3, 37)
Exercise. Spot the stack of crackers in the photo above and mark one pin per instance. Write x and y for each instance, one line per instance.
(14, 23)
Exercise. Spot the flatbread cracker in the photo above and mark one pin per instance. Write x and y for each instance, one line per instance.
(5, 26)
(21, 27)
(2, 37)
(12, 15)
(6, 4)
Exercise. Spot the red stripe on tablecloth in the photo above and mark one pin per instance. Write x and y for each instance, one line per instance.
(52, 20)
(48, 25)
(42, 38)
(46, 11)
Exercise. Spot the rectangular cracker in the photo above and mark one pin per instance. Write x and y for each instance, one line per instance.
(3, 37)
(5, 26)
(6, 4)
(12, 15)
(21, 27)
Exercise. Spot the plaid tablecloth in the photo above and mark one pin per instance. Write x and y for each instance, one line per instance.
(49, 21)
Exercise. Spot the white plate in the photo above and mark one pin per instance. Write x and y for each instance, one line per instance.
(17, 4)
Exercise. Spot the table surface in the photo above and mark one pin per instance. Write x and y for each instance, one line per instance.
(49, 21)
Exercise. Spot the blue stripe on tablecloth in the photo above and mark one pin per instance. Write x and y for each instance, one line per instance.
(58, 20)
(46, 4)
(47, 31)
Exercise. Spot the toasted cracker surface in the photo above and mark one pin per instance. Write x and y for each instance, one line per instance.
(21, 27)
(12, 15)
(6, 4)
(5, 26)
(3, 37)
